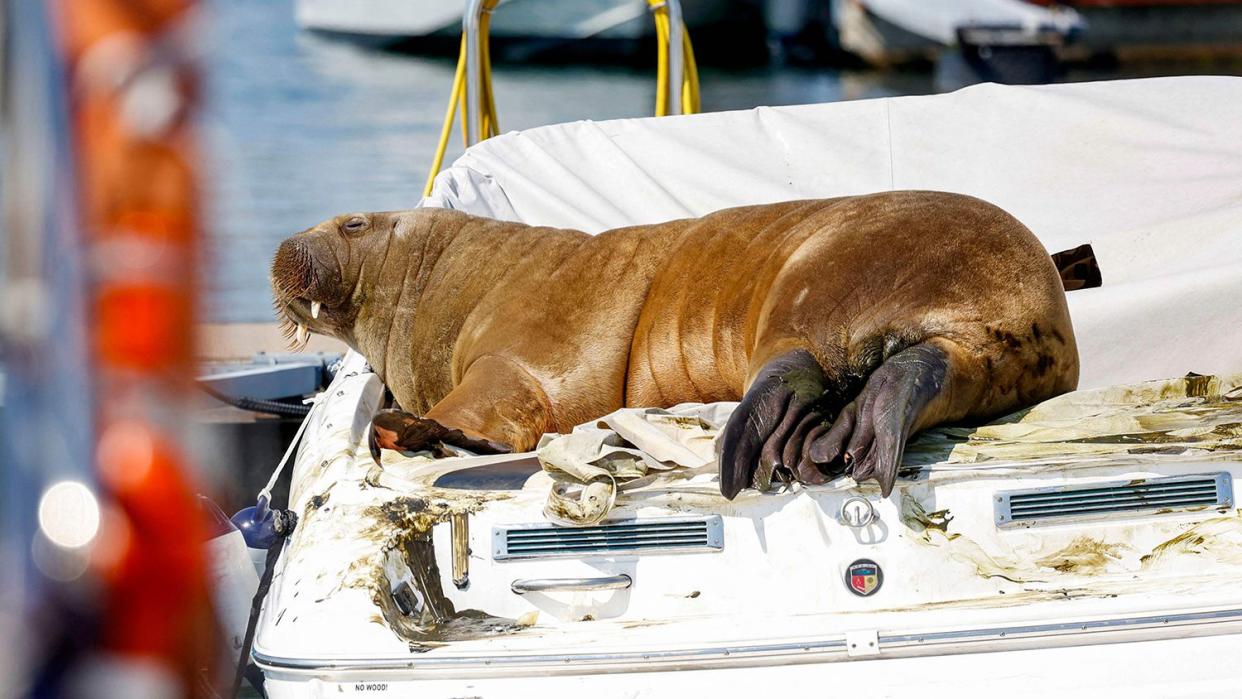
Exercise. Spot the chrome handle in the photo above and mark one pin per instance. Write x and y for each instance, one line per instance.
(610, 582)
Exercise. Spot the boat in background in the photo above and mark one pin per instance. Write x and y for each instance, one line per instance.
(523, 27)
(1026, 41)
(1160, 29)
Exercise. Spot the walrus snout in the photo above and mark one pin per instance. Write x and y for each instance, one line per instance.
(306, 267)
(293, 270)
(307, 286)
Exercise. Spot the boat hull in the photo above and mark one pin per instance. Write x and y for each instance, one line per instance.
(1188, 667)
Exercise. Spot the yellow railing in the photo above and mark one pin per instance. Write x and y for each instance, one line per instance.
(478, 105)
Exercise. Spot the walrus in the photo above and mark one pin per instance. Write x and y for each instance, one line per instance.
(843, 325)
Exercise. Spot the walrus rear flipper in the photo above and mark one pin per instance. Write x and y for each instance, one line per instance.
(778, 410)
(871, 433)
(781, 428)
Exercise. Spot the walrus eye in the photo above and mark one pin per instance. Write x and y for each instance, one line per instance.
(355, 224)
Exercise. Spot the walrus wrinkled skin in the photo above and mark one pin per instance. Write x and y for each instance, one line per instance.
(843, 325)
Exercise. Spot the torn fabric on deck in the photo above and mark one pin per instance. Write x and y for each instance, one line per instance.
(621, 450)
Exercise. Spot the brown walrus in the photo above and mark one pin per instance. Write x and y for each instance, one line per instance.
(843, 325)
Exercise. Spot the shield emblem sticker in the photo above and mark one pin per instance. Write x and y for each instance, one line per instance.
(863, 577)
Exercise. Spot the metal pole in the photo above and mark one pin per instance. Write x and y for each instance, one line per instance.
(676, 59)
(470, 30)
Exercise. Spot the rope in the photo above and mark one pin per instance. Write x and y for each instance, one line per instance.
(446, 131)
(266, 493)
(661, 22)
(690, 99)
(285, 521)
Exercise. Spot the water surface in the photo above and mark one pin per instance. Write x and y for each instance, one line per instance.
(299, 128)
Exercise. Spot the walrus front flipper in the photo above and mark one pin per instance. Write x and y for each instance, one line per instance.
(871, 433)
(765, 431)
(402, 431)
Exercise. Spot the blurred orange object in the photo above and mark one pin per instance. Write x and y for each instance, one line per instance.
(132, 90)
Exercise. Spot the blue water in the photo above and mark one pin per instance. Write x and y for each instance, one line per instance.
(299, 128)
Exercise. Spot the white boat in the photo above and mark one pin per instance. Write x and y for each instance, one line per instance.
(1089, 547)
(1012, 38)
(528, 19)
(885, 32)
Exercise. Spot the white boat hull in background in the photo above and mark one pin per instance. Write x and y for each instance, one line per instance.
(392, 18)
(532, 19)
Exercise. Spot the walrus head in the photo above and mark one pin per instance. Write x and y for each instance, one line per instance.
(316, 273)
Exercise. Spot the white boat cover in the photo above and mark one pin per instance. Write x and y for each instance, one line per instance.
(1148, 171)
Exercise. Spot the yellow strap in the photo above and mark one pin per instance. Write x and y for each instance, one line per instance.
(489, 123)
(690, 100)
(459, 86)
(662, 30)
(689, 89)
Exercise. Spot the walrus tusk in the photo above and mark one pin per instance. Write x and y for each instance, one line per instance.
(315, 305)
(303, 336)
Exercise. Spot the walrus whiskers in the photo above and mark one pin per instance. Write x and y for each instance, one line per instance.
(294, 277)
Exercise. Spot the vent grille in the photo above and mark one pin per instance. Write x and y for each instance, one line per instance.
(662, 535)
(1104, 500)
